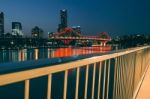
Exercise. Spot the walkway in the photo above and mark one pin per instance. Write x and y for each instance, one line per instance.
(144, 91)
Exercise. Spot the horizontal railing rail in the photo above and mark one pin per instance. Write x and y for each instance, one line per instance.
(129, 66)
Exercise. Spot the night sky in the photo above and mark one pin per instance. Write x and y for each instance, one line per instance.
(117, 17)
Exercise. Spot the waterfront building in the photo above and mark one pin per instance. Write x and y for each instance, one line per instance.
(63, 20)
(1, 23)
(17, 29)
(37, 32)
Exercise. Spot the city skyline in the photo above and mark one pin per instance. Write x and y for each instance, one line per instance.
(116, 18)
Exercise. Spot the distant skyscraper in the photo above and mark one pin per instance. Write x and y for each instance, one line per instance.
(1, 23)
(63, 19)
(17, 29)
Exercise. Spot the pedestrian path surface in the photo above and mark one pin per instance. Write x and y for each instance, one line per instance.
(144, 91)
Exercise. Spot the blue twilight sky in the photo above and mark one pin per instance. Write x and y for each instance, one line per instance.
(117, 17)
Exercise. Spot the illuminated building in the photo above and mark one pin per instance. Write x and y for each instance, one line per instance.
(17, 29)
(1, 23)
(63, 19)
(37, 32)
(77, 29)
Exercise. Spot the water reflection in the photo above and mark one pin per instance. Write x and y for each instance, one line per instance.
(35, 54)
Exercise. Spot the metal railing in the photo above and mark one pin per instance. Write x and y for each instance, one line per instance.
(129, 66)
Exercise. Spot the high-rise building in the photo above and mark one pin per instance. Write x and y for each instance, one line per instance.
(17, 29)
(63, 19)
(37, 32)
(1, 23)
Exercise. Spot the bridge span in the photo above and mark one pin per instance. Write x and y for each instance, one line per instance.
(69, 34)
(115, 75)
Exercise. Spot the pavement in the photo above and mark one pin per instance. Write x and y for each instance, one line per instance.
(144, 91)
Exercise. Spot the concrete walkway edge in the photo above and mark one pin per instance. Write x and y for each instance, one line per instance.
(143, 89)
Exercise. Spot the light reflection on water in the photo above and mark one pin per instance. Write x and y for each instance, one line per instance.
(58, 78)
(35, 54)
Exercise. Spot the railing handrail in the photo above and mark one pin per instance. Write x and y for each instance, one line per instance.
(38, 72)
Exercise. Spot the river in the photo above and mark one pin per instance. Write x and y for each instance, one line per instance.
(10, 55)
(38, 86)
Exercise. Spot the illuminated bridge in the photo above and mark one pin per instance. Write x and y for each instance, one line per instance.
(69, 35)
(115, 75)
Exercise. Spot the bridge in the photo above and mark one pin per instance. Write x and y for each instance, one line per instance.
(115, 75)
(69, 35)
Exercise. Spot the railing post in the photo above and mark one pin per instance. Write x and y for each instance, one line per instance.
(27, 87)
(104, 80)
(77, 82)
(49, 86)
(119, 77)
(65, 84)
(134, 73)
(123, 77)
(108, 79)
(99, 80)
(128, 75)
(115, 74)
(93, 82)
(86, 82)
